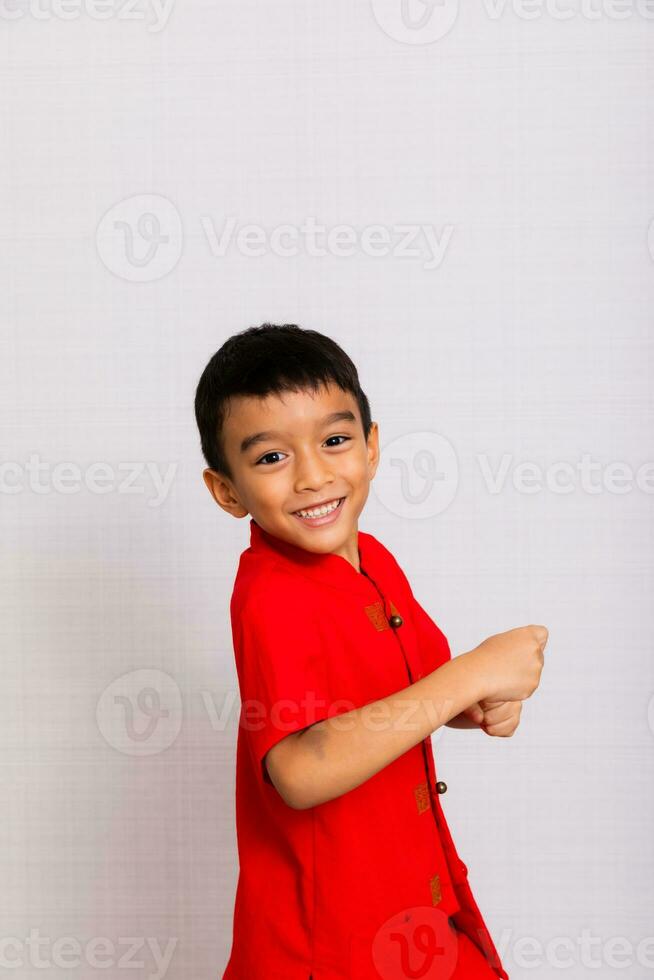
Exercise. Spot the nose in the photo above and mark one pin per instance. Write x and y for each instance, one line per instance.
(312, 471)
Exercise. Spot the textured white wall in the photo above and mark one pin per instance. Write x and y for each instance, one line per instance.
(515, 141)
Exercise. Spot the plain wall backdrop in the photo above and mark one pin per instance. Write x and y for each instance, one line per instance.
(462, 197)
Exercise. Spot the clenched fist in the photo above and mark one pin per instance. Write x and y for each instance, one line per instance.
(500, 718)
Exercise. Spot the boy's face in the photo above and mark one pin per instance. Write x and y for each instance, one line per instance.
(299, 459)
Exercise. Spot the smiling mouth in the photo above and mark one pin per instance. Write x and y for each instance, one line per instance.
(319, 513)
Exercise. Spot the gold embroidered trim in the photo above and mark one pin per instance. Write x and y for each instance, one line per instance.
(377, 617)
(435, 885)
(421, 793)
(377, 614)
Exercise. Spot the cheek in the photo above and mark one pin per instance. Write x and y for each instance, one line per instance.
(354, 468)
(278, 490)
(266, 489)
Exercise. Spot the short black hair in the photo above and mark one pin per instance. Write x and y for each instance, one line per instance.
(267, 360)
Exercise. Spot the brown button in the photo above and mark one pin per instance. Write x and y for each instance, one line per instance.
(441, 787)
(396, 621)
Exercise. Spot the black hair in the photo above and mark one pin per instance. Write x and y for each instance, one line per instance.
(267, 360)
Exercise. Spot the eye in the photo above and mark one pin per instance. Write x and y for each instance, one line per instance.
(347, 439)
(275, 453)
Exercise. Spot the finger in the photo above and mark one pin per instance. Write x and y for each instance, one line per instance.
(504, 730)
(504, 713)
(475, 713)
(542, 635)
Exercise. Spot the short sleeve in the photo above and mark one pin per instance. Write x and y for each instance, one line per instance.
(433, 644)
(282, 649)
(434, 647)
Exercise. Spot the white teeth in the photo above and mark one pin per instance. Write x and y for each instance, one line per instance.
(320, 511)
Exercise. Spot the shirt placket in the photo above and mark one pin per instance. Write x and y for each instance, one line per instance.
(395, 621)
(456, 868)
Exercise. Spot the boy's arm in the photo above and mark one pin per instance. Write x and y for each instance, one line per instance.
(336, 755)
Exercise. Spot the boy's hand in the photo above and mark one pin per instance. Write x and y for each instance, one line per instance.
(510, 663)
(499, 717)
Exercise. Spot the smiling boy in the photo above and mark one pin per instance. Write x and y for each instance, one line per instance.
(347, 868)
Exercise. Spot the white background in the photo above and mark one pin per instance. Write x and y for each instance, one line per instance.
(523, 137)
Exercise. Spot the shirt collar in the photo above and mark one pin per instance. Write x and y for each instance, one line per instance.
(329, 569)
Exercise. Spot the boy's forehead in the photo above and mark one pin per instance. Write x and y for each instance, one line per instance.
(285, 411)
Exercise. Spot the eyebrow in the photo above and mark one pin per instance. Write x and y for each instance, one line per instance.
(258, 437)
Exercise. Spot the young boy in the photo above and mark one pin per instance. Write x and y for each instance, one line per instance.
(347, 866)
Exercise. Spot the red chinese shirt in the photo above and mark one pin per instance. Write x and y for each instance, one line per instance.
(339, 890)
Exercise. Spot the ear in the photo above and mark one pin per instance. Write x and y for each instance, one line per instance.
(223, 493)
(373, 449)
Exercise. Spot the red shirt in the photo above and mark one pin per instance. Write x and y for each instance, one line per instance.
(324, 892)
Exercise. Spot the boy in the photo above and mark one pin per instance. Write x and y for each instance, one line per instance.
(347, 866)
